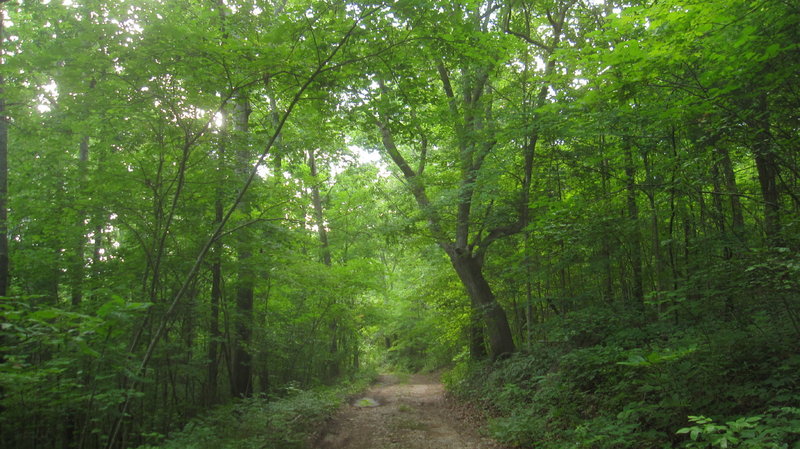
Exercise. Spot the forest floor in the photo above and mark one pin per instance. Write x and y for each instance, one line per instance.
(400, 413)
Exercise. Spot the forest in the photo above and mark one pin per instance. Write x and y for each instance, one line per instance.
(218, 218)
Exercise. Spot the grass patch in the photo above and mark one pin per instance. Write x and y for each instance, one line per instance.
(404, 408)
(410, 424)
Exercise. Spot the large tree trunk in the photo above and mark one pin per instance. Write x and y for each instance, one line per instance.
(469, 269)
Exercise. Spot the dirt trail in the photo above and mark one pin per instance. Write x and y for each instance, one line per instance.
(409, 414)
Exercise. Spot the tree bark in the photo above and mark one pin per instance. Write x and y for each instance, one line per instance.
(78, 261)
(469, 270)
(731, 189)
(333, 369)
(4, 261)
(608, 278)
(4, 278)
(655, 229)
(216, 277)
(767, 167)
(319, 219)
(637, 289)
(466, 263)
(242, 359)
(716, 198)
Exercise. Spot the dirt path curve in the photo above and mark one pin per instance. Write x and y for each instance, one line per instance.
(410, 414)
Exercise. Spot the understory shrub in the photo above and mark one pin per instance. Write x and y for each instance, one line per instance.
(671, 390)
(282, 423)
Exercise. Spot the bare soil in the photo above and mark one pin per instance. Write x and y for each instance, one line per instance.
(409, 414)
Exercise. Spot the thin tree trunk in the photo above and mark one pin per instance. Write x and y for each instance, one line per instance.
(319, 218)
(716, 199)
(4, 264)
(4, 278)
(767, 167)
(78, 262)
(242, 359)
(4, 261)
(731, 189)
(333, 369)
(608, 281)
(655, 229)
(637, 289)
(216, 278)
(528, 291)
(214, 331)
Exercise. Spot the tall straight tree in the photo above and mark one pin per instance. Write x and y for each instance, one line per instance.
(333, 368)
(241, 383)
(4, 279)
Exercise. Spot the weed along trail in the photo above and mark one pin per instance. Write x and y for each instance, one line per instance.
(403, 414)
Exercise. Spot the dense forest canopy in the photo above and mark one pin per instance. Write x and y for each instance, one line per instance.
(587, 209)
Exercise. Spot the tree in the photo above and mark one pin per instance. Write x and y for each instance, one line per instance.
(3, 169)
(458, 131)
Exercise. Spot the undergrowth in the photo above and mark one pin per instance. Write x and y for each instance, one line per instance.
(614, 381)
(265, 423)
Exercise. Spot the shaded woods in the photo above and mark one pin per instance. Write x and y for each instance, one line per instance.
(220, 212)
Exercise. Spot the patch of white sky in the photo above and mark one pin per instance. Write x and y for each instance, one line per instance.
(263, 171)
(615, 10)
(366, 156)
(519, 66)
(234, 7)
(47, 98)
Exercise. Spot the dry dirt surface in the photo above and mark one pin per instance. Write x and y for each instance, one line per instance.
(403, 414)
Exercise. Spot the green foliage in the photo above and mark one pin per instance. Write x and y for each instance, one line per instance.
(771, 431)
(284, 422)
(61, 363)
(624, 176)
(423, 322)
(607, 396)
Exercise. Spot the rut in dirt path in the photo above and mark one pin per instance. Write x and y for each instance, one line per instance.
(410, 414)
